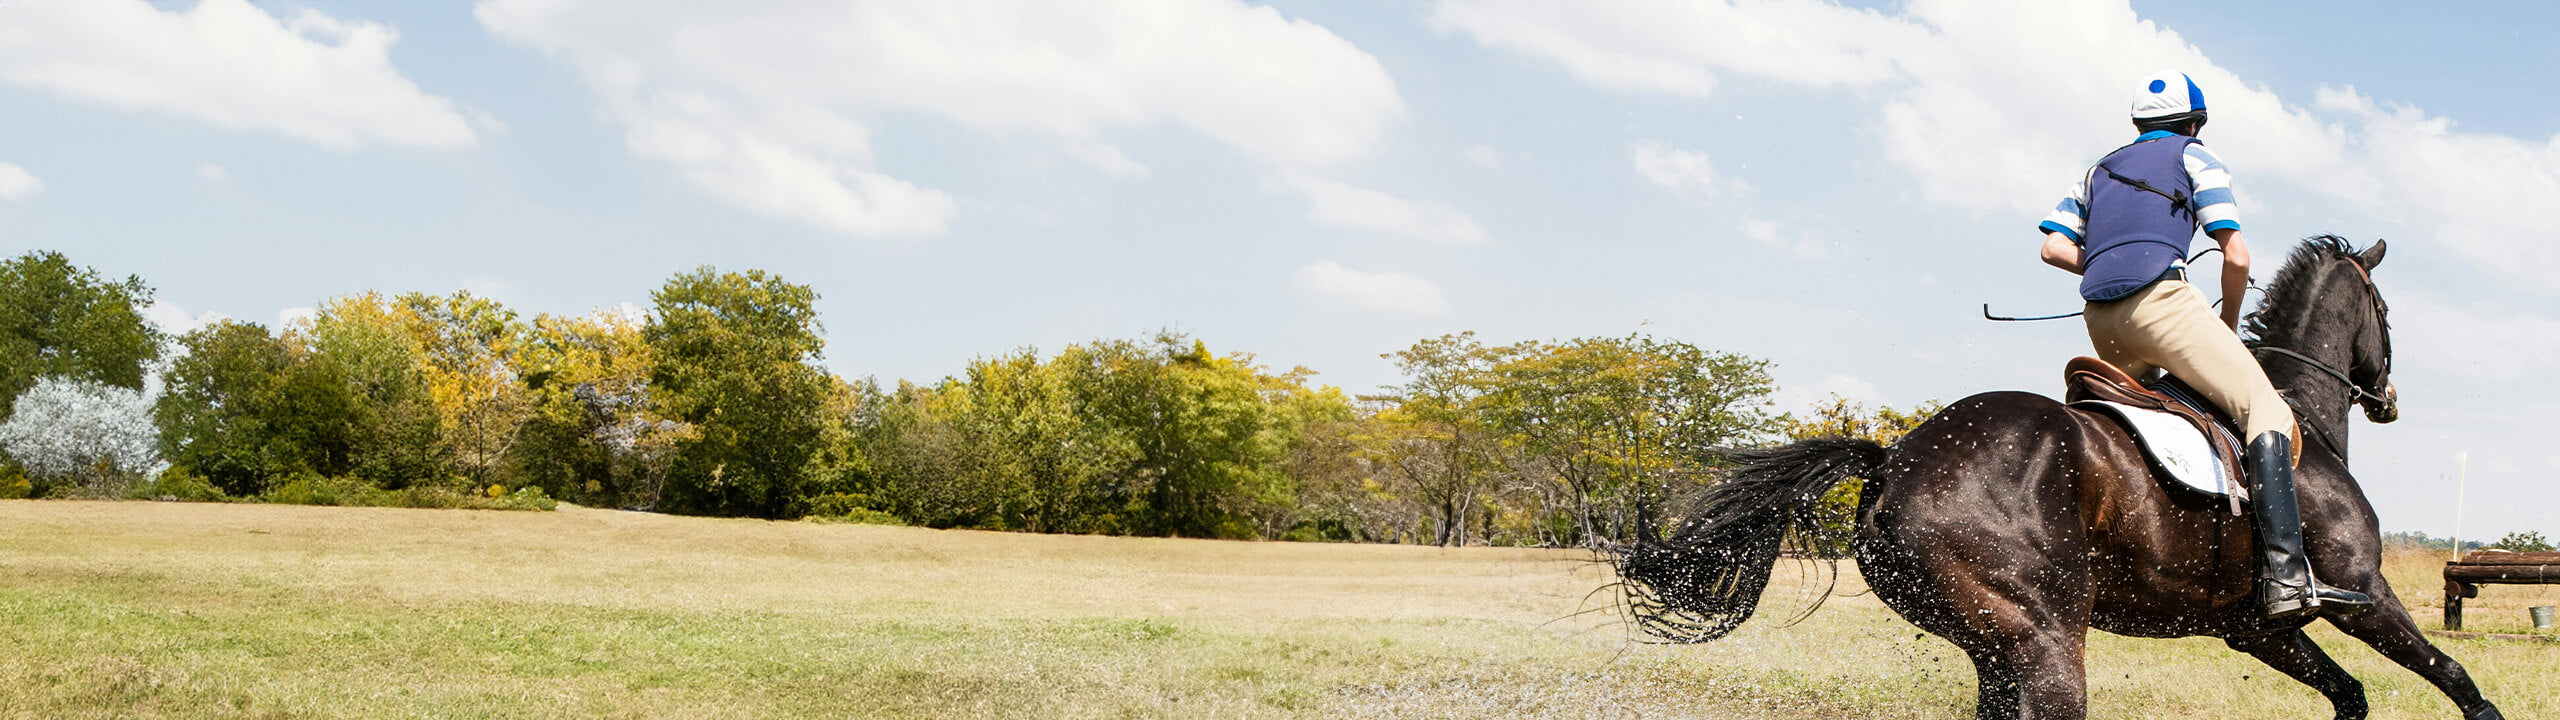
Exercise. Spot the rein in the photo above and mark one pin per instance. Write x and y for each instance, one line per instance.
(2359, 393)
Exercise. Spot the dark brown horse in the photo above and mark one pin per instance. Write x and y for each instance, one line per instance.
(2010, 523)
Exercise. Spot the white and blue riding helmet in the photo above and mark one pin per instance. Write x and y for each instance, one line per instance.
(2165, 95)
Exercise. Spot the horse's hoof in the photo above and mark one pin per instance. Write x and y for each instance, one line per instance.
(2486, 712)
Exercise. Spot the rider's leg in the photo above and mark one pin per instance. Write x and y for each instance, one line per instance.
(2170, 325)
(2113, 349)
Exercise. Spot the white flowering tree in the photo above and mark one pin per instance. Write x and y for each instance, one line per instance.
(96, 436)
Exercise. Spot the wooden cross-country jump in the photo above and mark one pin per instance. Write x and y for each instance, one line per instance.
(2463, 577)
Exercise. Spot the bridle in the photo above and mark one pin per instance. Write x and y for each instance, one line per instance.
(2381, 313)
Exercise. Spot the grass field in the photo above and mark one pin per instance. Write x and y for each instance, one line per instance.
(137, 609)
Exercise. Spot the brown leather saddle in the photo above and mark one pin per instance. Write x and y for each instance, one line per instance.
(2088, 378)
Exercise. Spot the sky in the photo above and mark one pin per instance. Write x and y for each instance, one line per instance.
(1837, 188)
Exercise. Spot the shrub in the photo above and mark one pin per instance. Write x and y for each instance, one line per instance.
(2523, 542)
(858, 517)
(524, 498)
(312, 489)
(855, 508)
(13, 482)
(179, 485)
(77, 437)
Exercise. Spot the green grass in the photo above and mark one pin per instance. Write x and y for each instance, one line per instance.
(179, 610)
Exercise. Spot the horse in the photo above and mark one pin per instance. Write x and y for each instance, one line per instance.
(2010, 524)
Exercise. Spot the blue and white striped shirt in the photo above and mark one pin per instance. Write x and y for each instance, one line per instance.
(2212, 202)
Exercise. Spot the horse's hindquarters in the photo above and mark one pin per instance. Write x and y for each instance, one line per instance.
(1976, 523)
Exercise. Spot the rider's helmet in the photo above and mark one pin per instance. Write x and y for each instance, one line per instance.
(2167, 100)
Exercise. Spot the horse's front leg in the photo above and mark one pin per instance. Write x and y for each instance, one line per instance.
(2294, 654)
(2389, 629)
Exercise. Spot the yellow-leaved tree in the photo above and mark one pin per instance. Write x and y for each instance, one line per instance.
(592, 431)
(469, 347)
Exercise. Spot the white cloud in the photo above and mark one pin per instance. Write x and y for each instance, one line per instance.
(628, 310)
(1678, 46)
(16, 183)
(295, 317)
(2481, 345)
(1484, 157)
(769, 105)
(1689, 174)
(1801, 244)
(1332, 203)
(2480, 194)
(229, 63)
(1854, 389)
(1995, 106)
(1331, 286)
(210, 171)
(175, 320)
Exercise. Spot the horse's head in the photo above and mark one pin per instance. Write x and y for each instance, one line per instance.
(2370, 370)
(2324, 316)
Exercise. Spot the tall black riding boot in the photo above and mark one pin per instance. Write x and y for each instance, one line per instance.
(2285, 586)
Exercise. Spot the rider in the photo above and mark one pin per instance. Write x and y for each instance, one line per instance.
(2125, 229)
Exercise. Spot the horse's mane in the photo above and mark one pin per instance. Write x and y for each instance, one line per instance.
(2289, 294)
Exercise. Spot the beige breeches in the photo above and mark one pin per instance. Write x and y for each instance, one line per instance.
(2170, 326)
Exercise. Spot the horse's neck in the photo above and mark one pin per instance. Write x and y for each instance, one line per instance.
(2318, 399)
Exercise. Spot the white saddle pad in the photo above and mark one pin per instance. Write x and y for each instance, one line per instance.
(2176, 445)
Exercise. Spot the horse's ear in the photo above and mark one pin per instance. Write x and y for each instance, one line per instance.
(2373, 255)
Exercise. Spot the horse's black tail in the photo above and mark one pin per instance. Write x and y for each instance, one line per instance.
(1707, 577)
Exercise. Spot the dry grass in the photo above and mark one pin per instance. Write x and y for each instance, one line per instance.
(182, 610)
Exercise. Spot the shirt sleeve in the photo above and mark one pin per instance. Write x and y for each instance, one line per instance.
(2214, 207)
(2071, 216)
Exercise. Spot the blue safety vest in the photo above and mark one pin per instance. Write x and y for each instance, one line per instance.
(2142, 217)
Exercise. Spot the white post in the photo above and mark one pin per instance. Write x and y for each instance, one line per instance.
(2461, 486)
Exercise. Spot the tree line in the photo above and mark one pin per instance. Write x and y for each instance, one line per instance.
(712, 401)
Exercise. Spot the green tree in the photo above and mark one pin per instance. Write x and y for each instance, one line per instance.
(1621, 422)
(1437, 440)
(223, 414)
(734, 354)
(1156, 437)
(364, 367)
(57, 319)
(918, 455)
(1207, 444)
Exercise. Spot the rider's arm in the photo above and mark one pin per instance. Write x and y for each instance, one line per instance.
(2063, 226)
(2235, 273)
(2061, 252)
(2220, 215)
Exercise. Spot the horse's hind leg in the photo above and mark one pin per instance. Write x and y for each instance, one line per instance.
(2389, 629)
(2294, 654)
(2024, 668)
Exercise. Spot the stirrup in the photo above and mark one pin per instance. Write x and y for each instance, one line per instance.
(2285, 602)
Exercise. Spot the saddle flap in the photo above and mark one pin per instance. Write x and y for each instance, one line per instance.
(2088, 379)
